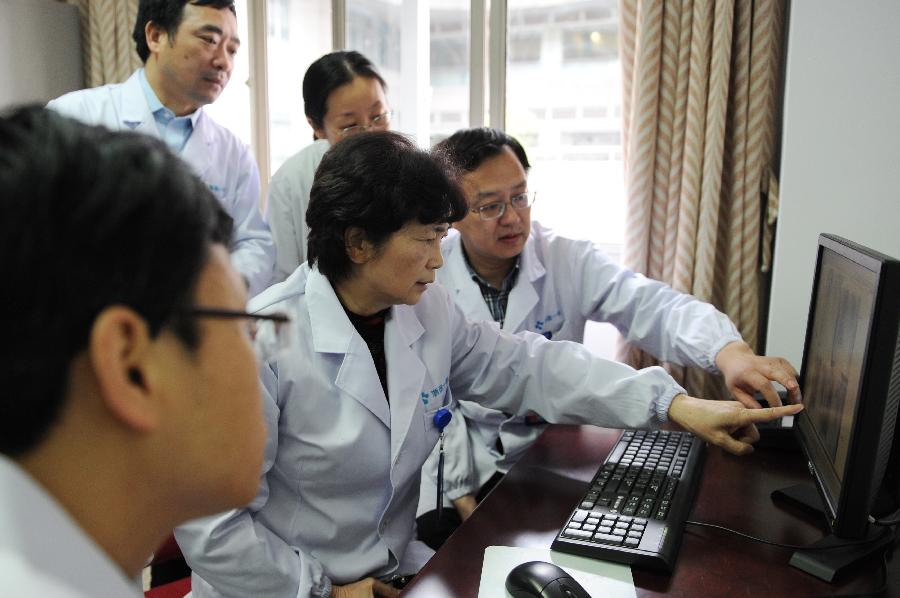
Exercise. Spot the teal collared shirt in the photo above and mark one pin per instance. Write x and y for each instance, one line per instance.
(173, 130)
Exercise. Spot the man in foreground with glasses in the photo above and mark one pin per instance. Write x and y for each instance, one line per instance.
(502, 266)
(130, 399)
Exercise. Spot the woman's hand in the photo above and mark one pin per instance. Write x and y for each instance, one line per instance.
(727, 424)
(365, 588)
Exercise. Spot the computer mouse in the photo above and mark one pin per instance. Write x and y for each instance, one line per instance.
(536, 579)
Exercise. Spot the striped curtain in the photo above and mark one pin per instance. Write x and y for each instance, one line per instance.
(700, 82)
(106, 26)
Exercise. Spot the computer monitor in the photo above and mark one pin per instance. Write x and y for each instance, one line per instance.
(850, 379)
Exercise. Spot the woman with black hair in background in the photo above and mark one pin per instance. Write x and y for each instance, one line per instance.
(343, 95)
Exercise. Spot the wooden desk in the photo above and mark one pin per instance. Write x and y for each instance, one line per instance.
(530, 505)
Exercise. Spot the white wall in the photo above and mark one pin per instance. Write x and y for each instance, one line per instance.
(40, 51)
(840, 167)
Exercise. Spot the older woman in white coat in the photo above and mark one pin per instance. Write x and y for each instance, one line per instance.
(381, 350)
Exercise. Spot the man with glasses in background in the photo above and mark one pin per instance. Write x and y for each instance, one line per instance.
(502, 266)
(188, 49)
(130, 396)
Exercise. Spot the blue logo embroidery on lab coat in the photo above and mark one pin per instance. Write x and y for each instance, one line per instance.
(539, 325)
(217, 189)
(437, 391)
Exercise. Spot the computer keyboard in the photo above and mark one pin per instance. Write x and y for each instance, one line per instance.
(635, 507)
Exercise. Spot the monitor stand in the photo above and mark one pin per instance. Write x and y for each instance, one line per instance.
(817, 559)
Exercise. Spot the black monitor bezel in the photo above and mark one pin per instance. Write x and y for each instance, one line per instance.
(868, 453)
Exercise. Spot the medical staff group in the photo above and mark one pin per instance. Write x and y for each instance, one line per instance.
(385, 283)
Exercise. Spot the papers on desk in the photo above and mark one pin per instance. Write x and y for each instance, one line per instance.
(599, 578)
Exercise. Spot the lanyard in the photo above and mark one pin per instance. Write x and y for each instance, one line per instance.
(441, 419)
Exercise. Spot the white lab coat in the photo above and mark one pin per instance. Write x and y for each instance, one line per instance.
(43, 552)
(340, 488)
(287, 203)
(562, 283)
(217, 156)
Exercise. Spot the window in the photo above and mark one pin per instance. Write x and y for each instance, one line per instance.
(594, 111)
(525, 47)
(279, 20)
(373, 28)
(421, 50)
(449, 77)
(593, 138)
(573, 145)
(299, 32)
(232, 109)
(586, 44)
(562, 92)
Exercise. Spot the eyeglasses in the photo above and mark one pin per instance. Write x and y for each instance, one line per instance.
(270, 333)
(378, 122)
(496, 209)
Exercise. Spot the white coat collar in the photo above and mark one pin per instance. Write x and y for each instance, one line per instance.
(136, 116)
(406, 372)
(455, 276)
(332, 332)
(524, 296)
(332, 328)
(135, 110)
(465, 291)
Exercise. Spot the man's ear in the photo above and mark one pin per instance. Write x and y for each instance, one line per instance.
(155, 36)
(359, 249)
(118, 351)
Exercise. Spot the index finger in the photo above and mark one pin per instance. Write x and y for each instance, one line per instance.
(771, 413)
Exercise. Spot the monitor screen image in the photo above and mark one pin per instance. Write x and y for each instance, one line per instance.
(844, 304)
(850, 380)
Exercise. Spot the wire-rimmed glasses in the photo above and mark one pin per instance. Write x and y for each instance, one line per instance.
(377, 122)
(496, 209)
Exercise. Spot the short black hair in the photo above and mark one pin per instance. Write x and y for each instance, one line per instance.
(168, 15)
(327, 74)
(468, 148)
(378, 182)
(89, 218)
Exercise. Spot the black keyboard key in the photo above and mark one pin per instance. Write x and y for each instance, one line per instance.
(611, 538)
